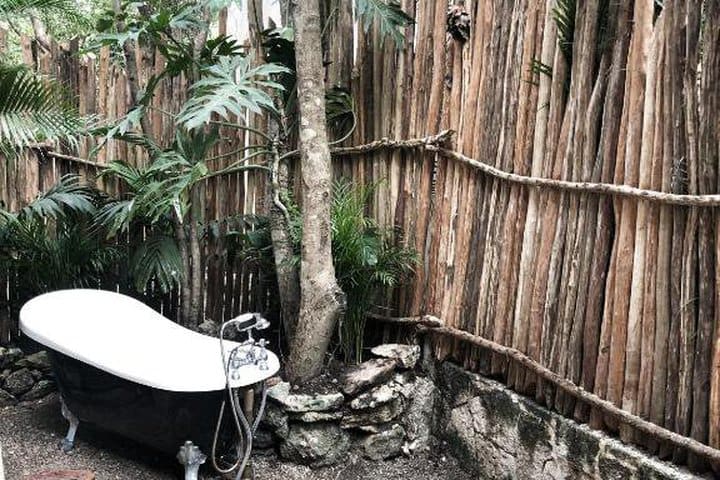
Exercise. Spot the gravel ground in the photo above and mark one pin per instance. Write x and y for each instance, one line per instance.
(30, 434)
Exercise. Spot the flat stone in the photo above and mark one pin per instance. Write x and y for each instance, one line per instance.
(379, 395)
(40, 390)
(300, 403)
(370, 428)
(62, 475)
(385, 444)
(407, 356)
(381, 414)
(8, 356)
(368, 374)
(315, 444)
(7, 399)
(19, 382)
(37, 361)
(310, 417)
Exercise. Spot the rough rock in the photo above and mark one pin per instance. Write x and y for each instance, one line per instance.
(40, 390)
(407, 356)
(276, 420)
(499, 434)
(208, 327)
(385, 444)
(263, 439)
(379, 395)
(8, 356)
(404, 383)
(418, 416)
(62, 475)
(38, 361)
(300, 403)
(368, 374)
(315, 444)
(374, 416)
(19, 382)
(310, 417)
(6, 398)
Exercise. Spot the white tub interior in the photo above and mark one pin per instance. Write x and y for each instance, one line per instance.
(125, 337)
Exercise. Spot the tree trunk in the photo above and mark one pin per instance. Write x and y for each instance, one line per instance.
(181, 239)
(322, 301)
(285, 267)
(197, 266)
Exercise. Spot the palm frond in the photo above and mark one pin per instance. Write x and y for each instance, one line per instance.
(229, 87)
(389, 15)
(66, 196)
(55, 243)
(33, 108)
(157, 258)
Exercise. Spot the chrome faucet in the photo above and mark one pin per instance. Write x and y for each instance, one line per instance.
(249, 352)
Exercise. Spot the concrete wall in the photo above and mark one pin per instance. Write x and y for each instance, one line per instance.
(501, 435)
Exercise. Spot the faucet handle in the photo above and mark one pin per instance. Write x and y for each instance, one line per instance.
(261, 323)
(262, 356)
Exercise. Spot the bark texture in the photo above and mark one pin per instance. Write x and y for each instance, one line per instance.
(322, 301)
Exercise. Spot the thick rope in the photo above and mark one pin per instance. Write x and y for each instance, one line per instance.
(434, 143)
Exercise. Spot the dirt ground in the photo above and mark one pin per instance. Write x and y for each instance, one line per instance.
(30, 434)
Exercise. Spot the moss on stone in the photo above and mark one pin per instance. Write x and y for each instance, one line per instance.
(532, 431)
(582, 445)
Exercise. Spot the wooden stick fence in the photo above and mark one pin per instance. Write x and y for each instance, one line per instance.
(572, 220)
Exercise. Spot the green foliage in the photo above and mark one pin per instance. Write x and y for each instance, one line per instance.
(158, 259)
(229, 87)
(339, 110)
(390, 17)
(158, 199)
(248, 241)
(366, 260)
(56, 242)
(564, 15)
(152, 24)
(25, 7)
(33, 109)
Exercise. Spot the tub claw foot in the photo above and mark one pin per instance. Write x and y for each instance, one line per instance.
(68, 442)
(191, 457)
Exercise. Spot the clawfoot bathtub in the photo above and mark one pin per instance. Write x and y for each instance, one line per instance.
(123, 367)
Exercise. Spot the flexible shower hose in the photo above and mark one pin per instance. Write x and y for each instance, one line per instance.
(246, 432)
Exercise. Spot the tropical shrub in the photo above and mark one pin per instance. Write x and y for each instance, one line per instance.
(56, 242)
(367, 261)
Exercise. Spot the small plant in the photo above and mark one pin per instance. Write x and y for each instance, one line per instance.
(367, 261)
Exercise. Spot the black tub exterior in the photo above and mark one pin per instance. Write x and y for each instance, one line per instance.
(159, 419)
